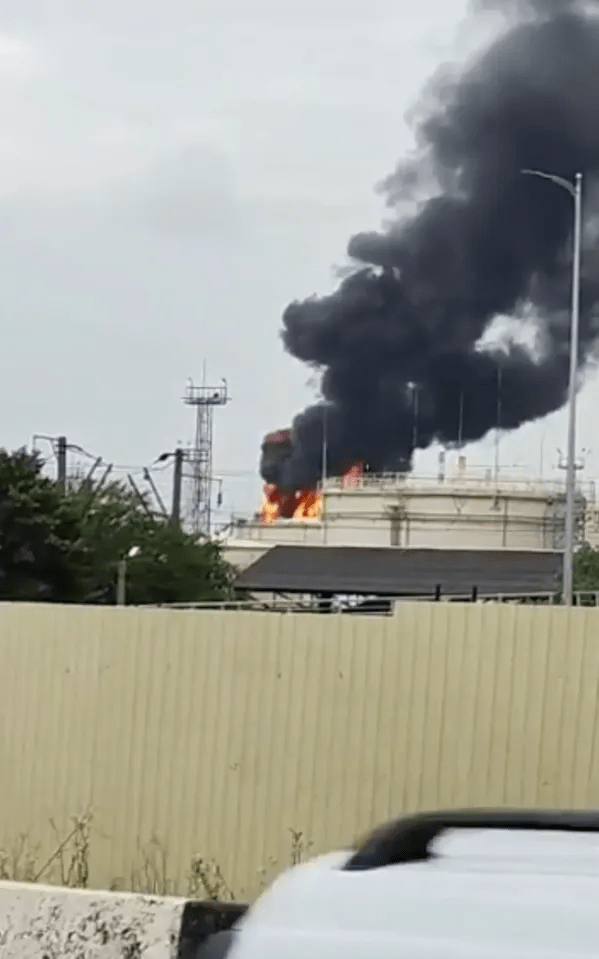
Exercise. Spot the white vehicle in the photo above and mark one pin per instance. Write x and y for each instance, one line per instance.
(457, 885)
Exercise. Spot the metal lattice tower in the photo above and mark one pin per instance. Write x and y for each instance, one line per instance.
(204, 398)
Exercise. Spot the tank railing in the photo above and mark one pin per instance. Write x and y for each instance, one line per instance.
(469, 479)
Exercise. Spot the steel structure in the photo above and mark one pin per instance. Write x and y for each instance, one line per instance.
(204, 399)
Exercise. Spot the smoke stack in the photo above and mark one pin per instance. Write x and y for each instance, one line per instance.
(482, 241)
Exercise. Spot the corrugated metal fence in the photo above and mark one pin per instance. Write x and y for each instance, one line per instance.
(225, 734)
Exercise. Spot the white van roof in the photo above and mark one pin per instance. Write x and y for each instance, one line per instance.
(505, 892)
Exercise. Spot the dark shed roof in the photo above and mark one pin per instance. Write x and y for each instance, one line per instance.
(402, 572)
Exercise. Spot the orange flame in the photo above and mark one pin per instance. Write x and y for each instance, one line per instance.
(270, 507)
(353, 475)
(302, 505)
(309, 505)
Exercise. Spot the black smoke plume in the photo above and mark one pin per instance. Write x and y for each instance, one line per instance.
(402, 332)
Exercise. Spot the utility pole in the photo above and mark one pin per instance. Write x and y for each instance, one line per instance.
(571, 474)
(60, 449)
(574, 188)
(141, 499)
(177, 482)
(61, 456)
(149, 480)
(579, 465)
(103, 479)
(88, 481)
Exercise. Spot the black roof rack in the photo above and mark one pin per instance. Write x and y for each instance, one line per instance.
(410, 839)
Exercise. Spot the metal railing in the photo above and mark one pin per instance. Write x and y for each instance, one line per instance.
(473, 479)
(386, 605)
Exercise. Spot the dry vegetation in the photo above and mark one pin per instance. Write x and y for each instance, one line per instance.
(68, 865)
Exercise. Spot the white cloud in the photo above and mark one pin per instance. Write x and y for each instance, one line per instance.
(9, 47)
(20, 61)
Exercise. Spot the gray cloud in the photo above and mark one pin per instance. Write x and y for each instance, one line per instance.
(189, 192)
(171, 175)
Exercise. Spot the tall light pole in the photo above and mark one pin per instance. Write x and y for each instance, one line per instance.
(575, 191)
(325, 454)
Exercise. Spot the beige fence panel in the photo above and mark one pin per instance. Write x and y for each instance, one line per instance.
(226, 735)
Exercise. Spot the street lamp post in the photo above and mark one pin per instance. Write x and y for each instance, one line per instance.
(575, 191)
(121, 593)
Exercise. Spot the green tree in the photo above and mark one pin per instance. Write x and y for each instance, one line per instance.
(586, 570)
(66, 547)
(170, 565)
(40, 545)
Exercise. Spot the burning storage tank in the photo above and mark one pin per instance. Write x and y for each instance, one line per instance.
(460, 508)
(281, 502)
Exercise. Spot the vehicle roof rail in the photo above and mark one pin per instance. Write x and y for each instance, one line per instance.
(410, 839)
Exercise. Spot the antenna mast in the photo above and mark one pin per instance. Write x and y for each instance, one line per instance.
(204, 399)
(415, 399)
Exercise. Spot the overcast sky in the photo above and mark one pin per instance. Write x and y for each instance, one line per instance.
(172, 173)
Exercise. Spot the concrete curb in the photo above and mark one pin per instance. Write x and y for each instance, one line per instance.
(46, 922)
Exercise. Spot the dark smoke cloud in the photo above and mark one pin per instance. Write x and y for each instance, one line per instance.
(486, 242)
(540, 8)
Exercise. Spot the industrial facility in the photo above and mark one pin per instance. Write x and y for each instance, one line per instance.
(463, 508)
(465, 532)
